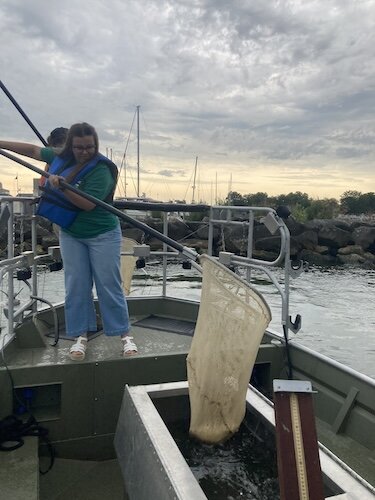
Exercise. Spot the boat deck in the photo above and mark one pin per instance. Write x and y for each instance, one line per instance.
(357, 456)
(79, 402)
(88, 480)
(150, 342)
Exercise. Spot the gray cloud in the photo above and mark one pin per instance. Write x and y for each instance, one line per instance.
(239, 83)
(171, 173)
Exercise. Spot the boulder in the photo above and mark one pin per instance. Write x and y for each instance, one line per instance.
(364, 236)
(332, 236)
(315, 224)
(235, 239)
(177, 229)
(307, 239)
(49, 241)
(272, 244)
(263, 255)
(154, 223)
(295, 228)
(350, 249)
(370, 257)
(202, 232)
(238, 246)
(322, 249)
(342, 224)
(196, 244)
(134, 234)
(317, 259)
(352, 259)
(155, 244)
(260, 232)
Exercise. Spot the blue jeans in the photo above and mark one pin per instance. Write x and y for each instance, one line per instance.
(87, 261)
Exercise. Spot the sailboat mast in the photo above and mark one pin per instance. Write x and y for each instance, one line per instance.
(138, 151)
(195, 175)
(216, 188)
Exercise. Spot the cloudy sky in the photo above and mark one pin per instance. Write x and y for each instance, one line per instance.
(272, 95)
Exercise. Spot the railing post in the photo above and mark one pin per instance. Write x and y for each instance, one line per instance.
(10, 271)
(165, 232)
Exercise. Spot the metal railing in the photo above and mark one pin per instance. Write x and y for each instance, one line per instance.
(220, 216)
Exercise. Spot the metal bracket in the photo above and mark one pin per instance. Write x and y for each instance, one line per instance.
(225, 258)
(296, 325)
(292, 386)
(54, 253)
(345, 410)
(141, 250)
(271, 222)
(296, 268)
(4, 216)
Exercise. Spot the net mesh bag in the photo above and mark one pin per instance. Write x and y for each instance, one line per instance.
(127, 264)
(231, 321)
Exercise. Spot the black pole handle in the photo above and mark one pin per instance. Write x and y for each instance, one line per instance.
(18, 107)
(192, 254)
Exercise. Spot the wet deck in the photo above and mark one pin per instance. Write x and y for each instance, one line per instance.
(150, 342)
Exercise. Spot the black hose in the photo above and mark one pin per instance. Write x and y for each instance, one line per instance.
(287, 350)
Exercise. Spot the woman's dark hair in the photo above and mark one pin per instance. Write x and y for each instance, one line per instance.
(79, 130)
(57, 137)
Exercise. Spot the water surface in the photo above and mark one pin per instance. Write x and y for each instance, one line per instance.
(337, 305)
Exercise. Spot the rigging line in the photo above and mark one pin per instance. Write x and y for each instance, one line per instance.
(132, 178)
(189, 184)
(168, 190)
(148, 189)
(127, 142)
(123, 159)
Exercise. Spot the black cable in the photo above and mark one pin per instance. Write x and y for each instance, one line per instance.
(287, 350)
(13, 429)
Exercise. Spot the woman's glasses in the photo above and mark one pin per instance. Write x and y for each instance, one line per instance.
(81, 149)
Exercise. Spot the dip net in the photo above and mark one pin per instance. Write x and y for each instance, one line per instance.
(231, 322)
(127, 264)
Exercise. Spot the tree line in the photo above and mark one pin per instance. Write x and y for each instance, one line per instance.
(304, 208)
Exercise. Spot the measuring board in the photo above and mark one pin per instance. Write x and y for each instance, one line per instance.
(300, 475)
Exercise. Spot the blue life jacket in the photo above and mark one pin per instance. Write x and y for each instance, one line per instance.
(54, 205)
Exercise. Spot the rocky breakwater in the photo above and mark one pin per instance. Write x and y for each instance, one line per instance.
(336, 241)
(320, 242)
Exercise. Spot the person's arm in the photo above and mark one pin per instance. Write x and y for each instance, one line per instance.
(78, 201)
(74, 198)
(98, 184)
(22, 148)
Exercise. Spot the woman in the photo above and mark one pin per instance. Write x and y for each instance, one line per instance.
(90, 236)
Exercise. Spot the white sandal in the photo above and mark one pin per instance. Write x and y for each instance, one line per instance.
(129, 349)
(78, 350)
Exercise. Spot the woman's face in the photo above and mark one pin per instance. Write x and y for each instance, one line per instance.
(83, 148)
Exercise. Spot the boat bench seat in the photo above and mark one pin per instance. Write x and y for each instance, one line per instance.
(19, 471)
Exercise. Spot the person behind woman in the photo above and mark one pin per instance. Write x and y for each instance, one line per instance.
(90, 236)
(56, 140)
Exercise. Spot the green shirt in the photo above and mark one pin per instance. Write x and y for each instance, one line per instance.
(98, 183)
